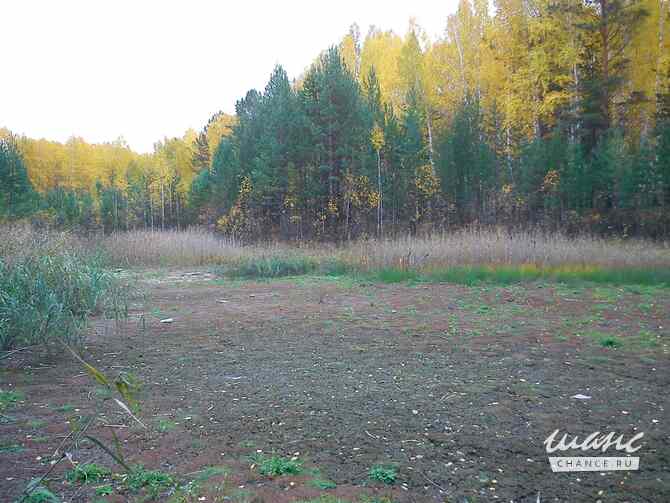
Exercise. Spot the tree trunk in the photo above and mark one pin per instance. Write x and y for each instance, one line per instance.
(604, 36)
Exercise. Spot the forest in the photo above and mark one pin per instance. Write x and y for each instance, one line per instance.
(551, 114)
(387, 278)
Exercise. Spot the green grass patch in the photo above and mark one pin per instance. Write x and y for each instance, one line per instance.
(8, 448)
(88, 473)
(326, 498)
(507, 275)
(105, 490)
(384, 474)
(283, 266)
(210, 472)
(9, 399)
(36, 424)
(611, 341)
(647, 339)
(276, 466)
(65, 408)
(154, 481)
(323, 484)
(606, 340)
(165, 425)
(41, 495)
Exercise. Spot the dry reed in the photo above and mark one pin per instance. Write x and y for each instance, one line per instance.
(463, 248)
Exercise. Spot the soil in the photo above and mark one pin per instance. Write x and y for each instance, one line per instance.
(454, 387)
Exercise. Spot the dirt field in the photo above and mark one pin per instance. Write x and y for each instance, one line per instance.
(456, 387)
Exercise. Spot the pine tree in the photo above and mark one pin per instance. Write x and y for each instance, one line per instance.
(607, 28)
(331, 101)
(467, 163)
(17, 196)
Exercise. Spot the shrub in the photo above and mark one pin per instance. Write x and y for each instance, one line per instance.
(272, 267)
(46, 297)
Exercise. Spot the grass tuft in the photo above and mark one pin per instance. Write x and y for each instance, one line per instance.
(88, 473)
(41, 495)
(153, 481)
(9, 399)
(323, 484)
(384, 474)
(611, 341)
(276, 466)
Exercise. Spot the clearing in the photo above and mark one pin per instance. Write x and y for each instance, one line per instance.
(452, 388)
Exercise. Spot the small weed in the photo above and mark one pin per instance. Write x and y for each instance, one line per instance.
(605, 340)
(105, 490)
(647, 339)
(325, 499)
(65, 408)
(9, 399)
(41, 495)
(187, 493)
(165, 425)
(9, 448)
(210, 472)
(153, 480)
(36, 424)
(88, 473)
(611, 341)
(103, 393)
(275, 466)
(385, 474)
(323, 484)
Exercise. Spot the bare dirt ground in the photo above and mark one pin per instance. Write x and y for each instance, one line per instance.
(456, 387)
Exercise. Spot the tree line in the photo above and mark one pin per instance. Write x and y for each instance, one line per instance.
(550, 113)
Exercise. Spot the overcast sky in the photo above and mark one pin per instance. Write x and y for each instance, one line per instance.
(148, 69)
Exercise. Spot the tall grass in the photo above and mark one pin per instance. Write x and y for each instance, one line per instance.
(474, 247)
(169, 248)
(466, 256)
(49, 287)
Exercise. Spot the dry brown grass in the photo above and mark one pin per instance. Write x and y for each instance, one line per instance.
(19, 241)
(501, 248)
(463, 248)
(191, 247)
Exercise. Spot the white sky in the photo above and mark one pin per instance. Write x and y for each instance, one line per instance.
(147, 69)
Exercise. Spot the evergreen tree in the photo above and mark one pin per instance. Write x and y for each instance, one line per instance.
(607, 28)
(331, 101)
(17, 196)
(467, 163)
